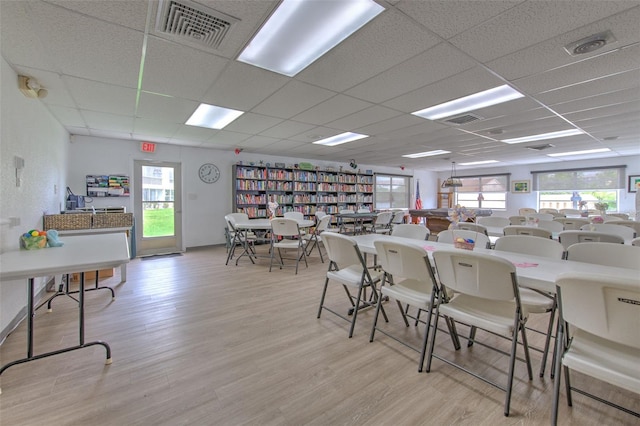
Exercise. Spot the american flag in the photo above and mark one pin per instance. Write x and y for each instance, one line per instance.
(418, 200)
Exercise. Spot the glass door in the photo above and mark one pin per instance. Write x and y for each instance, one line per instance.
(157, 208)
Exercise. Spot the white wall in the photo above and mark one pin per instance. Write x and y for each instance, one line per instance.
(523, 172)
(29, 131)
(204, 205)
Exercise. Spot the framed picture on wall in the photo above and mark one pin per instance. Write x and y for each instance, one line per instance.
(634, 183)
(521, 186)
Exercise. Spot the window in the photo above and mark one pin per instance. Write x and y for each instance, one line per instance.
(392, 192)
(579, 188)
(483, 192)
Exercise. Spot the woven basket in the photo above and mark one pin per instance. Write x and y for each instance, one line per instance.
(67, 221)
(113, 220)
(463, 245)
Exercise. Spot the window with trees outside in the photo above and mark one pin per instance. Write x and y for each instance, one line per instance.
(392, 192)
(483, 192)
(579, 188)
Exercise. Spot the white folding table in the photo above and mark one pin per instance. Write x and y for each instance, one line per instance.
(79, 253)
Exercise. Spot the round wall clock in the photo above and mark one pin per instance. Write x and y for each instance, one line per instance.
(209, 173)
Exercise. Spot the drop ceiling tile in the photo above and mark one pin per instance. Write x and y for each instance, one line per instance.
(252, 123)
(363, 118)
(179, 70)
(551, 54)
(116, 61)
(130, 13)
(292, 99)
(387, 40)
(331, 109)
(448, 18)
(164, 108)
(585, 71)
(68, 117)
(101, 97)
(104, 121)
(428, 67)
(529, 23)
(242, 87)
(287, 129)
(465, 83)
(159, 128)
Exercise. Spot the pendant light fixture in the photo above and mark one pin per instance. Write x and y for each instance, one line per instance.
(452, 181)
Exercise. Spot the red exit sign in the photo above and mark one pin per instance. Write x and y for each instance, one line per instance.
(148, 147)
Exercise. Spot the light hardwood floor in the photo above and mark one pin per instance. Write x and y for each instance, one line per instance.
(196, 342)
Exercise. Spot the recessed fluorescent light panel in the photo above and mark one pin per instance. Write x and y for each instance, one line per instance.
(477, 163)
(299, 32)
(427, 153)
(587, 151)
(544, 136)
(213, 117)
(494, 96)
(341, 138)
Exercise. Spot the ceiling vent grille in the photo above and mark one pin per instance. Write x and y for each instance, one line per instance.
(540, 147)
(590, 44)
(194, 23)
(459, 120)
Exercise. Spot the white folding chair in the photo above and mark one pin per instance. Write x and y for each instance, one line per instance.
(539, 216)
(398, 218)
(315, 238)
(568, 238)
(571, 223)
(348, 268)
(469, 226)
(409, 279)
(602, 313)
(609, 254)
(494, 224)
(487, 297)
(626, 232)
(294, 215)
(381, 224)
(633, 224)
(534, 301)
(411, 230)
(526, 211)
(554, 212)
(571, 212)
(285, 235)
(347, 222)
(526, 230)
(517, 220)
(449, 236)
(239, 237)
(552, 226)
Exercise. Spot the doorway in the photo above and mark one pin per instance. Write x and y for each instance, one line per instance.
(157, 205)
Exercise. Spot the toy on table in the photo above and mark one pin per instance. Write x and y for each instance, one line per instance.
(34, 239)
(52, 238)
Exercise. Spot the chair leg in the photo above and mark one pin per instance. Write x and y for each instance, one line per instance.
(547, 342)
(355, 312)
(426, 338)
(512, 365)
(375, 321)
(324, 293)
(556, 370)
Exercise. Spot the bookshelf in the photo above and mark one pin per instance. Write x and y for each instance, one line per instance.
(304, 191)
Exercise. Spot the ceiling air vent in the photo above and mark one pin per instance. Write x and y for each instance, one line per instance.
(590, 44)
(193, 23)
(459, 120)
(540, 147)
